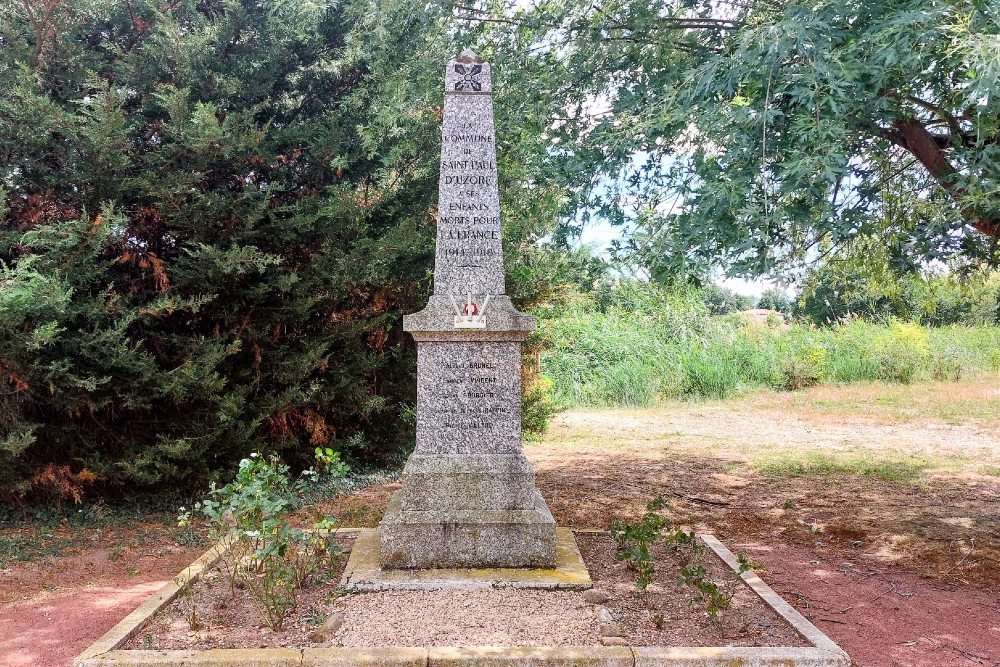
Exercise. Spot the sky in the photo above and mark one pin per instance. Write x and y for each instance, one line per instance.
(599, 235)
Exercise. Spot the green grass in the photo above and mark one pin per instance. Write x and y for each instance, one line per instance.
(36, 532)
(638, 352)
(22, 547)
(889, 468)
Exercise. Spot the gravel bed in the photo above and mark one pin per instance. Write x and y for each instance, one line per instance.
(489, 617)
(326, 616)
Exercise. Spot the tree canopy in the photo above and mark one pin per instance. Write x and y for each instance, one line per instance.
(214, 215)
(761, 135)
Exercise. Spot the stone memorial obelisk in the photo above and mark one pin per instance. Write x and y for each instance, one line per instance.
(468, 496)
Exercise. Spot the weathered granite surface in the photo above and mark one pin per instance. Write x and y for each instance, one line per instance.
(473, 538)
(364, 573)
(468, 496)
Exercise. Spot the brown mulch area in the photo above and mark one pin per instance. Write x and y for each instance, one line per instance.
(662, 616)
(665, 614)
(224, 619)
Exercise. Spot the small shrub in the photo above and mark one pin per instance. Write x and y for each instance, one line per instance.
(948, 365)
(633, 542)
(537, 406)
(694, 576)
(267, 555)
(803, 366)
(775, 299)
(270, 577)
(311, 553)
(903, 351)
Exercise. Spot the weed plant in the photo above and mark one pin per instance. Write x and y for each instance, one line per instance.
(633, 542)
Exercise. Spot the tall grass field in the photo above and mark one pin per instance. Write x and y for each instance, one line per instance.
(634, 346)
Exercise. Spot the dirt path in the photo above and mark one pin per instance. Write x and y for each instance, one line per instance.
(51, 611)
(882, 615)
(888, 537)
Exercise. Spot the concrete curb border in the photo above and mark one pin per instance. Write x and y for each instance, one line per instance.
(823, 652)
(128, 626)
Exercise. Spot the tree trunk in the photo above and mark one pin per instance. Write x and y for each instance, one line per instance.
(918, 141)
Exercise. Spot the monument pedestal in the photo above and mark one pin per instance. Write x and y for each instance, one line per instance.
(467, 538)
(468, 498)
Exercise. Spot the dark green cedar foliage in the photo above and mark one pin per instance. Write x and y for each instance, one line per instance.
(211, 225)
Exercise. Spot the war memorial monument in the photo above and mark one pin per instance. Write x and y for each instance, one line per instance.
(467, 515)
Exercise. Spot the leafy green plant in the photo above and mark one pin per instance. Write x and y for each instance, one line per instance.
(536, 405)
(328, 462)
(270, 578)
(312, 551)
(268, 556)
(948, 365)
(314, 617)
(694, 576)
(903, 351)
(244, 511)
(804, 364)
(635, 541)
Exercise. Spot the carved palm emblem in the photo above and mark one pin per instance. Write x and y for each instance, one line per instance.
(468, 77)
(469, 315)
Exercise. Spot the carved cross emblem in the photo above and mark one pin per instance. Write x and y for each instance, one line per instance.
(468, 77)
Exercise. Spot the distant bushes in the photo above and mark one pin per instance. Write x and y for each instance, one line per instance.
(721, 300)
(775, 299)
(635, 345)
(833, 293)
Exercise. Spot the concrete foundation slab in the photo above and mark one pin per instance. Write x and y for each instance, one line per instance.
(363, 572)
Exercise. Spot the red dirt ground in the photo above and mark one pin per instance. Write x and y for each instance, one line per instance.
(884, 617)
(51, 611)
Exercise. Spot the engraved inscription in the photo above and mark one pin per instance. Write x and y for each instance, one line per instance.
(469, 251)
(466, 390)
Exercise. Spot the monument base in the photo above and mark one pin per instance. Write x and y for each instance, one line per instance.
(364, 574)
(467, 538)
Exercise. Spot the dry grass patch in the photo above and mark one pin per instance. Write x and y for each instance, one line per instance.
(898, 468)
(974, 401)
(850, 469)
